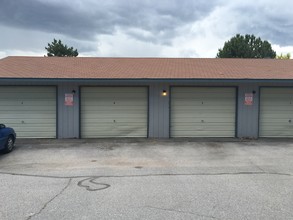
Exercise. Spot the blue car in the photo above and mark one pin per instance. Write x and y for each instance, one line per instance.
(7, 139)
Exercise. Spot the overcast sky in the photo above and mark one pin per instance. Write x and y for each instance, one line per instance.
(141, 28)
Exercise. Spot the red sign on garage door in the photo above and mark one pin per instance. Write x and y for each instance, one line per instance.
(68, 99)
(248, 99)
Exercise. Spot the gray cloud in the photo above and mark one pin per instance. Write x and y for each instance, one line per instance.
(269, 20)
(143, 27)
(48, 17)
(91, 18)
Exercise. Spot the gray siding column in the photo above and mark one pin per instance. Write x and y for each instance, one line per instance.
(68, 116)
(247, 126)
(158, 111)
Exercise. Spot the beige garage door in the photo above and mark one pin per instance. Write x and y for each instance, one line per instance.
(203, 112)
(30, 110)
(114, 112)
(276, 112)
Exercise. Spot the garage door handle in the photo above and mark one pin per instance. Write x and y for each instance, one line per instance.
(290, 121)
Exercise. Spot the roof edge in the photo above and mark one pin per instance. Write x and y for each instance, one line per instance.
(144, 79)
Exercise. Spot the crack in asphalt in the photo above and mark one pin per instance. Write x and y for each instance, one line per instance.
(89, 183)
(47, 203)
(148, 175)
(179, 211)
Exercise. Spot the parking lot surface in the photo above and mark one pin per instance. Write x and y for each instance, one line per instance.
(147, 179)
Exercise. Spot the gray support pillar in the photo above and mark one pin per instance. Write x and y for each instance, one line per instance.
(158, 111)
(68, 116)
(247, 117)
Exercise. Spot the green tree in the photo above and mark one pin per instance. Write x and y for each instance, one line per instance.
(247, 46)
(58, 49)
(284, 56)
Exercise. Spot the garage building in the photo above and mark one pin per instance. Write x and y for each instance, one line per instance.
(71, 97)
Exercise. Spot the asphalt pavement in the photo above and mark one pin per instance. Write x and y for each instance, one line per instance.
(147, 179)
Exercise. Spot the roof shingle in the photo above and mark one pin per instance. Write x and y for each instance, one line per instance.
(144, 68)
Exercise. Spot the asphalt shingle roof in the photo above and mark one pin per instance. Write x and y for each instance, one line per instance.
(144, 68)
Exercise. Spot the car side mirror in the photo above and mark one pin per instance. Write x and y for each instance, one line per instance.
(2, 126)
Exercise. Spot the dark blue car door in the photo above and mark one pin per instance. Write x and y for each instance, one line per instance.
(2, 137)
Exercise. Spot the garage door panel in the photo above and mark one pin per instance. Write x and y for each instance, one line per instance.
(105, 114)
(15, 121)
(114, 131)
(118, 134)
(30, 95)
(35, 128)
(203, 112)
(199, 120)
(211, 90)
(37, 134)
(30, 110)
(199, 98)
(26, 108)
(27, 116)
(4, 102)
(278, 126)
(278, 106)
(282, 102)
(105, 97)
(267, 97)
(199, 127)
(129, 117)
(26, 89)
(278, 133)
(28, 125)
(276, 91)
(102, 109)
(276, 112)
(205, 106)
(110, 120)
(119, 96)
(276, 115)
(111, 129)
(116, 107)
(188, 133)
(280, 120)
(114, 112)
(117, 102)
(117, 124)
(111, 89)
